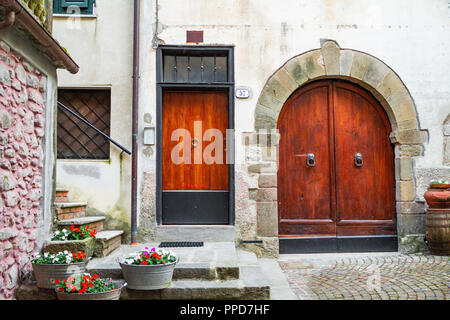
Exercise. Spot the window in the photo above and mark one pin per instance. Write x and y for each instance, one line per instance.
(76, 140)
(195, 68)
(83, 7)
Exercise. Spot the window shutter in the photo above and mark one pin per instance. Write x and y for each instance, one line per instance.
(63, 6)
(79, 3)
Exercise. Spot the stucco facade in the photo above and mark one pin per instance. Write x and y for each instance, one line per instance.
(393, 49)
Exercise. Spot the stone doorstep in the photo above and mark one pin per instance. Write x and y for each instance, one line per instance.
(182, 271)
(205, 233)
(94, 222)
(213, 261)
(240, 289)
(107, 241)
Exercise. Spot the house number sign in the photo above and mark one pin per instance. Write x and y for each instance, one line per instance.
(242, 93)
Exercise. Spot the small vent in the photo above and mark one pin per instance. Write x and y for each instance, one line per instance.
(180, 244)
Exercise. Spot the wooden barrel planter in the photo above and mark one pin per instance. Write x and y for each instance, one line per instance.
(437, 223)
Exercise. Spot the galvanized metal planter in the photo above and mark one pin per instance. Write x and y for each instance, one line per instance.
(108, 295)
(148, 277)
(46, 274)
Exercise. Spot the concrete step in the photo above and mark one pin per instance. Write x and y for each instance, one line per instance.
(106, 242)
(61, 195)
(70, 210)
(206, 233)
(214, 261)
(94, 222)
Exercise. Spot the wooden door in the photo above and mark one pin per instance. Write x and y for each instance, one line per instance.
(194, 175)
(335, 196)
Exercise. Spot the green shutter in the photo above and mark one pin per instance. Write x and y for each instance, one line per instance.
(81, 4)
(64, 6)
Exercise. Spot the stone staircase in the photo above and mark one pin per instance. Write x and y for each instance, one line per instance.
(74, 213)
(213, 271)
(216, 270)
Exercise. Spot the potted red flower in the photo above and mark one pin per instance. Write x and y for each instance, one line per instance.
(74, 239)
(149, 269)
(49, 268)
(87, 287)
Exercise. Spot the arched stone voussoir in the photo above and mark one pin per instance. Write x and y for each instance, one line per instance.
(330, 61)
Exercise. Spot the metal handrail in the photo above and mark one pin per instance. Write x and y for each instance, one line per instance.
(93, 127)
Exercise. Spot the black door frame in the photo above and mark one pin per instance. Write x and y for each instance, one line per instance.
(161, 85)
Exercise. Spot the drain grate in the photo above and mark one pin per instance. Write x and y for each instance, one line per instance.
(180, 244)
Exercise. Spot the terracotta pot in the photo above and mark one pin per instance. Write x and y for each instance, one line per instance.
(108, 295)
(437, 222)
(438, 195)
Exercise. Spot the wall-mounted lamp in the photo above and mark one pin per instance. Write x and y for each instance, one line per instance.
(149, 136)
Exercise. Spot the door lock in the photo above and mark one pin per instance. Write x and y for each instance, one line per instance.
(310, 160)
(195, 142)
(358, 159)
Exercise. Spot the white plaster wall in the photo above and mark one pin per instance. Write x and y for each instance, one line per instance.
(409, 36)
(102, 47)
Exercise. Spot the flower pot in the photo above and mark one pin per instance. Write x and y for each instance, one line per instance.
(85, 245)
(438, 195)
(148, 277)
(107, 295)
(46, 274)
(437, 222)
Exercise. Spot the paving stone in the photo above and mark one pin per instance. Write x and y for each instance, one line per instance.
(340, 276)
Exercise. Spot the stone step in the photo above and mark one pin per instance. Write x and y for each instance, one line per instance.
(214, 261)
(107, 241)
(94, 222)
(210, 272)
(206, 233)
(61, 195)
(70, 210)
(251, 286)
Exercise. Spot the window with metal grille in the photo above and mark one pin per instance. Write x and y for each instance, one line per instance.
(76, 140)
(195, 68)
(84, 7)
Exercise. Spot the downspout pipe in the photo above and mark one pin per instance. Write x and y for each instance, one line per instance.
(135, 106)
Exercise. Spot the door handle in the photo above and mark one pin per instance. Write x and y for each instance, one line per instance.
(311, 160)
(358, 159)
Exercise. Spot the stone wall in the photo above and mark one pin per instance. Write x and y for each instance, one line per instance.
(447, 141)
(22, 123)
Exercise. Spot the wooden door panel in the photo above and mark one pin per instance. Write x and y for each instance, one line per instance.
(181, 109)
(335, 120)
(304, 192)
(365, 195)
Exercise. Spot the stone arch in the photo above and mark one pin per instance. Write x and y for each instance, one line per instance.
(332, 62)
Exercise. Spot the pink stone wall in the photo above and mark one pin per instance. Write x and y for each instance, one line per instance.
(22, 98)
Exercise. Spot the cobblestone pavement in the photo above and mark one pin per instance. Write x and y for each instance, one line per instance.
(375, 276)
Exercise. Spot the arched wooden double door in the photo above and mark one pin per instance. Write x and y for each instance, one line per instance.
(336, 178)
